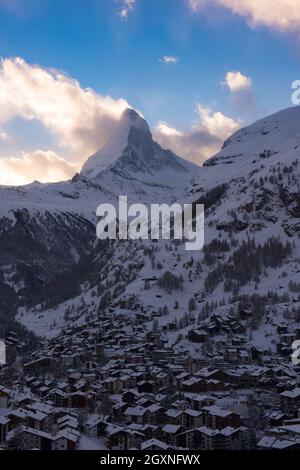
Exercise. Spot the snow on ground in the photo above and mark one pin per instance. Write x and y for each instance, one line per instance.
(91, 443)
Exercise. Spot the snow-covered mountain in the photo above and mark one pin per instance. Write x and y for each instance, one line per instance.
(46, 229)
(135, 165)
(251, 194)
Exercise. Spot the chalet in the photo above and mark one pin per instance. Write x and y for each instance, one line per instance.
(180, 378)
(198, 385)
(224, 439)
(4, 425)
(276, 418)
(66, 439)
(129, 396)
(145, 386)
(173, 416)
(219, 418)
(34, 439)
(197, 401)
(123, 438)
(277, 443)
(290, 400)
(191, 418)
(95, 426)
(216, 374)
(137, 414)
(154, 444)
(170, 433)
(197, 336)
(186, 439)
(156, 414)
(113, 385)
(57, 397)
(4, 397)
(38, 364)
(80, 400)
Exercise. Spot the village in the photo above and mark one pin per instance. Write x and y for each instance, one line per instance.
(113, 383)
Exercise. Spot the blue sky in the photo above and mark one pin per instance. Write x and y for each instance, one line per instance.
(166, 58)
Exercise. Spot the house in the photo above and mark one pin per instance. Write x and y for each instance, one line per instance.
(95, 426)
(156, 414)
(197, 336)
(276, 418)
(191, 418)
(277, 443)
(4, 424)
(170, 433)
(154, 444)
(224, 439)
(33, 438)
(173, 416)
(123, 438)
(290, 401)
(219, 418)
(114, 385)
(80, 400)
(4, 397)
(145, 386)
(57, 397)
(197, 400)
(66, 439)
(137, 414)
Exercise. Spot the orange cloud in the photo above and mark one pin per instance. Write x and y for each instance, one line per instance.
(283, 15)
(202, 140)
(44, 166)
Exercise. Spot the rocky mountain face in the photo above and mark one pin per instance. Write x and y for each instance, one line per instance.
(47, 230)
(250, 190)
(135, 165)
(61, 276)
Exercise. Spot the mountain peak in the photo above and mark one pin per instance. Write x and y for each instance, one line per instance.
(132, 118)
(272, 135)
(131, 127)
(133, 154)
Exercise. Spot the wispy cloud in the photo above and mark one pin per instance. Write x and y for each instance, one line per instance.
(127, 6)
(237, 82)
(80, 118)
(204, 138)
(282, 15)
(241, 93)
(169, 59)
(3, 135)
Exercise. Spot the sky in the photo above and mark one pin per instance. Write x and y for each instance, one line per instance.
(196, 70)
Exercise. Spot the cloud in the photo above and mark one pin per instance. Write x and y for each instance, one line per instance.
(202, 140)
(282, 15)
(127, 8)
(81, 119)
(169, 59)
(44, 166)
(237, 82)
(242, 97)
(4, 136)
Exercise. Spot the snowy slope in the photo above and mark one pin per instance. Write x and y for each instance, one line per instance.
(251, 191)
(46, 229)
